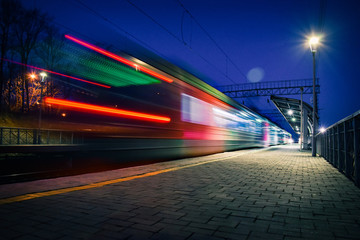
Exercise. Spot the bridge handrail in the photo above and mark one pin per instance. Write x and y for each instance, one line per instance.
(340, 146)
(266, 85)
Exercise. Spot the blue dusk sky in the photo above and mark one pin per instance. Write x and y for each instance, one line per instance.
(232, 42)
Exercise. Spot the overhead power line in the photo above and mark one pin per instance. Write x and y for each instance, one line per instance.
(211, 38)
(95, 13)
(152, 19)
(322, 15)
(177, 38)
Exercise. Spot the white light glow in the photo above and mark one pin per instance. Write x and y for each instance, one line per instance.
(43, 74)
(313, 42)
(290, 112)
(322, 130)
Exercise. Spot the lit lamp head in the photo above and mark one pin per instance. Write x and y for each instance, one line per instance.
(313, 42)
(32, 76)
(43, 75)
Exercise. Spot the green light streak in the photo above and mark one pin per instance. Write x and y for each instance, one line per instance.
(92, 66)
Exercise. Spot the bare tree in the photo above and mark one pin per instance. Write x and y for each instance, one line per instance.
(8, 16)
(14, 92)
(12, 70)
(31, 23)
(50, 51)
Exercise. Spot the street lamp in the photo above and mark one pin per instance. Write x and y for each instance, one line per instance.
(322, 129)
(43, 75)
(32, 76)
(313, 42)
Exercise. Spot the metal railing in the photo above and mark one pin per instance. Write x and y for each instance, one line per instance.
(340, 146)
(13, 136)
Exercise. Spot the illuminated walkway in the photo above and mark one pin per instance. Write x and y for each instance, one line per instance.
(274, 193)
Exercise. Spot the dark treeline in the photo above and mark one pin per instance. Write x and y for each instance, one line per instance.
(27, 37)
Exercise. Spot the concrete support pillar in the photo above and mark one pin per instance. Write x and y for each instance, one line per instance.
(306, 136)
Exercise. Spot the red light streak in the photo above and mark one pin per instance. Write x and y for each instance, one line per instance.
(120, 59)
(60, 74)
(107, 110)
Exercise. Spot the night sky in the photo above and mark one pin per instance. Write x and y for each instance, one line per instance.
(243, 41)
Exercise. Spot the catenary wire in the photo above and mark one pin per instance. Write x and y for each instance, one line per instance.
(211, 38)
(142, 42)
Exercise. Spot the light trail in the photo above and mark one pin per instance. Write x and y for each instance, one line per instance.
(59, 74)
(107, 110)
(120, 59)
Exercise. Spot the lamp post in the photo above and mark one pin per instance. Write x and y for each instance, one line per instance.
(313, 42)
(43, 75)
(301, 121)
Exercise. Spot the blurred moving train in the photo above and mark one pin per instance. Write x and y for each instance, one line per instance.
(130, 105)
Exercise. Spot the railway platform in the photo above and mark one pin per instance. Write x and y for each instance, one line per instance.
(272, 193)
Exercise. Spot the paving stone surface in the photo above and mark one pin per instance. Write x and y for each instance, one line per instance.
(274, 193)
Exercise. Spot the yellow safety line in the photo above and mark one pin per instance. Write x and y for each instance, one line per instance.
(101, 184)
